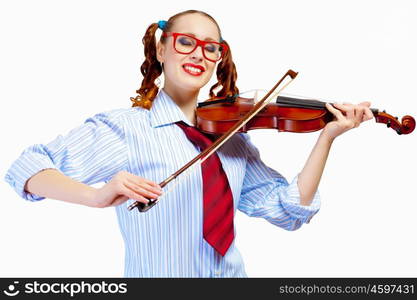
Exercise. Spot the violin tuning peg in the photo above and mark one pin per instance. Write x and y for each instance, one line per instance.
(389, 123)
(384, 111)
(396, 118)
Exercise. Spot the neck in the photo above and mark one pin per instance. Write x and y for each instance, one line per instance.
(186, 101)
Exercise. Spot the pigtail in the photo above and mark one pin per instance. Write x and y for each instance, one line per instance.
(151, 69)
(226, 76)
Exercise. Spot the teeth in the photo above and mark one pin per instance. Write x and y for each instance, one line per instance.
(192, 69)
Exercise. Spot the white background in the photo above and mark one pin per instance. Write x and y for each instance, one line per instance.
(63, 61)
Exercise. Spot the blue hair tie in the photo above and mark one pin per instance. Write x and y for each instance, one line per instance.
(162, 24)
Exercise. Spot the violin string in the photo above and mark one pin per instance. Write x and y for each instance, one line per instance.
(310, 98)
(256, 91)
(284, 94)
(252, 90)
(289, 95)
(302, 103)
(305, 98)
(299, 96)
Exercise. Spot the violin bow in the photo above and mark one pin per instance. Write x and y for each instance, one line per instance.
(200, 158)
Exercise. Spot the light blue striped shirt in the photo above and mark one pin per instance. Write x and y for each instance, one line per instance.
(166, 241)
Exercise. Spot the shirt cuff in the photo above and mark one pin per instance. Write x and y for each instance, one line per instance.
(291, 203)
(27, 165)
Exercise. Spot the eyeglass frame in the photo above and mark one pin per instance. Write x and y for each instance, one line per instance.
(201, 43)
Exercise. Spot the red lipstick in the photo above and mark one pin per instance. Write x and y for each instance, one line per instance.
(192, 69)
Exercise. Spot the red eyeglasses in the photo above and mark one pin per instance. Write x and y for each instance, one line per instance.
(186, 44)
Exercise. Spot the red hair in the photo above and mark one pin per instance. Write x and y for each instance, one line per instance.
(151, 68)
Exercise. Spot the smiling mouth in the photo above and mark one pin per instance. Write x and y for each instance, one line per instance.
(193, 69)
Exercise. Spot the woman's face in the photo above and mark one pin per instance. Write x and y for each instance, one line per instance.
(180, 69)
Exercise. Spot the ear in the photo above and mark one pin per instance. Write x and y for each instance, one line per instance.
(160, 51)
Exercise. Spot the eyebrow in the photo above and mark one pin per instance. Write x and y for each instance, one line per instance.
(206, 39)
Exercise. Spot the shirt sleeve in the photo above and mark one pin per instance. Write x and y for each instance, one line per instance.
(90, 153)
(267, 194)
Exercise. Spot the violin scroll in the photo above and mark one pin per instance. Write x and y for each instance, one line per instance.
(406, 126)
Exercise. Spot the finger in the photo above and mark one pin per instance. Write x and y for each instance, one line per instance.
(349, 110)
(359, 113)
(341, 107)
(141, 191)
(138, 179)
(337, 113)
(132, 194)
(365, 103)
(146, 186)
(368, 115)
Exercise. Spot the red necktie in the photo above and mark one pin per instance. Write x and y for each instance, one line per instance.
(218, 228)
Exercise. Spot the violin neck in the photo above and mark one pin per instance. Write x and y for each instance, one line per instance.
(300, 103)
(307, 103)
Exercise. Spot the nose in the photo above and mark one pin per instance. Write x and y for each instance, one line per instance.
(197, 54)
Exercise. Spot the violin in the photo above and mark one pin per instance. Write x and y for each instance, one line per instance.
(218, 115)
(228, 115)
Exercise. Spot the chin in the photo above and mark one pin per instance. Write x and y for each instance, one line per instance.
(192, 85)
(188, 82)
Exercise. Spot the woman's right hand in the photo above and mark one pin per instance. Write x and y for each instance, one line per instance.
(124, 186)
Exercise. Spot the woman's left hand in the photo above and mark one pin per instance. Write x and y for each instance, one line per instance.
(347, 116)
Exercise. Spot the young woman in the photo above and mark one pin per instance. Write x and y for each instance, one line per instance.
(190, 233)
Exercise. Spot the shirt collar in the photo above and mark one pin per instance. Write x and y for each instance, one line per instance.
(165, 111)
